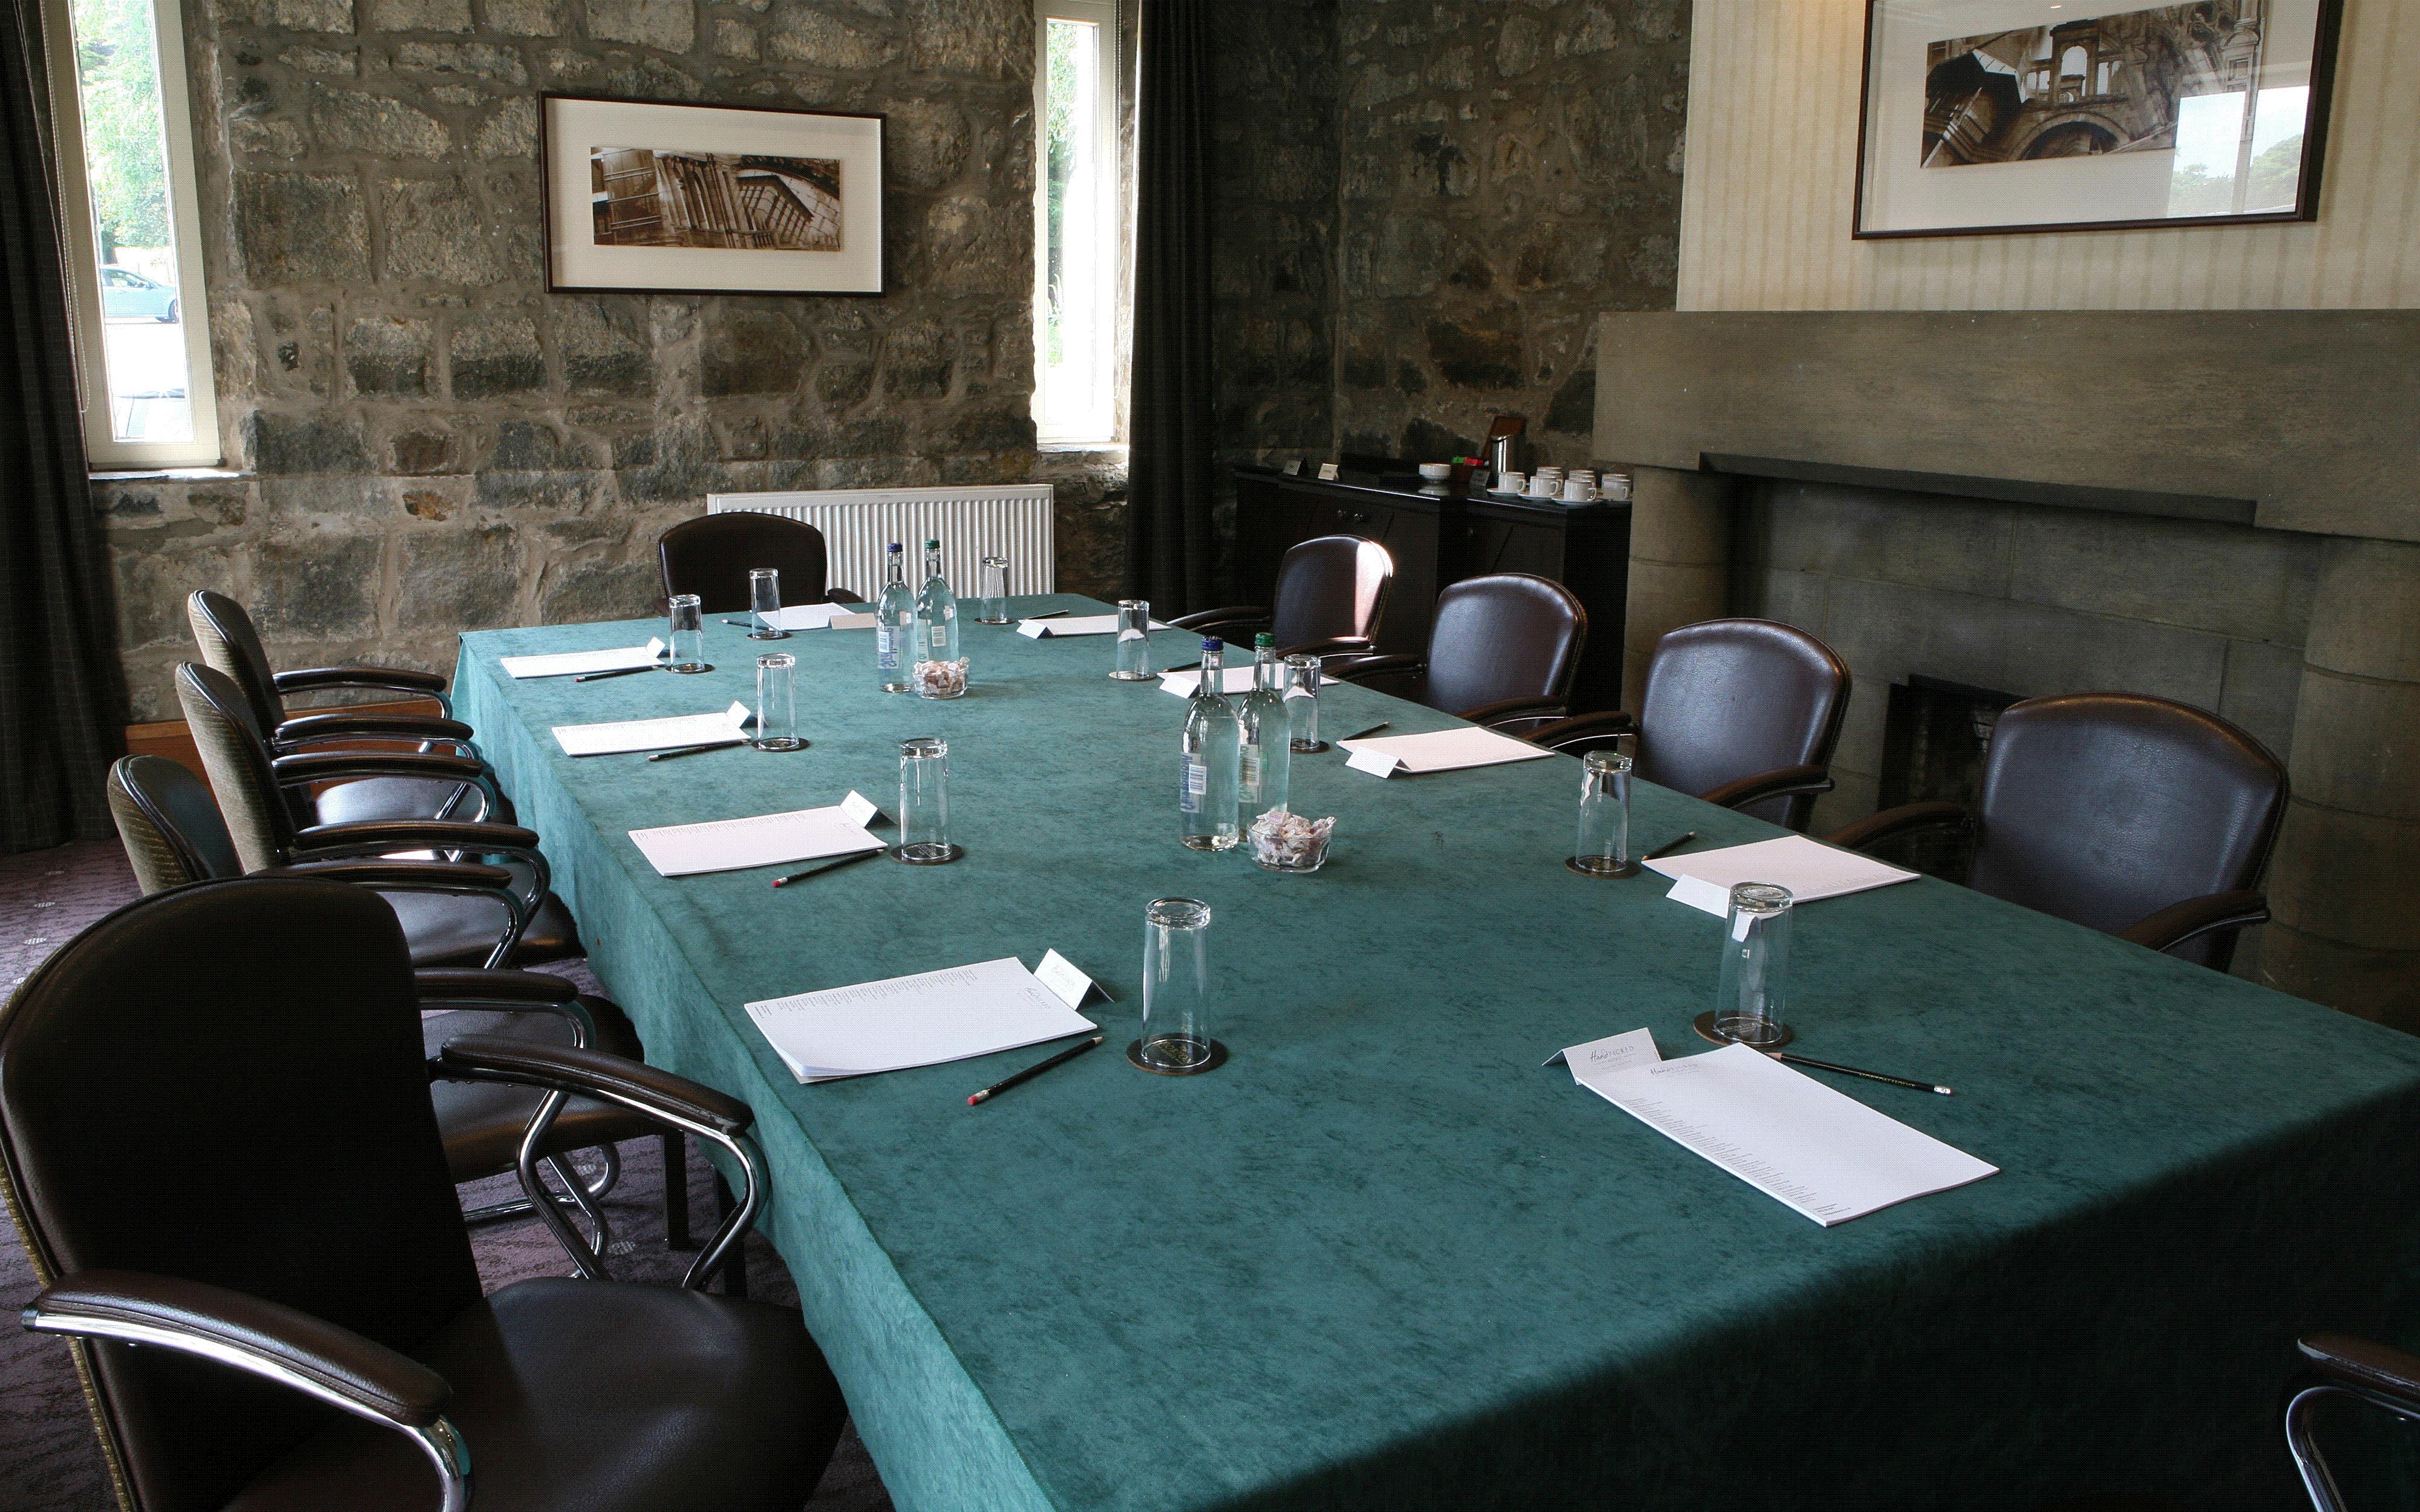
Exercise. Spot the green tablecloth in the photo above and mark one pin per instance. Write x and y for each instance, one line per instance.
(1383, 1258)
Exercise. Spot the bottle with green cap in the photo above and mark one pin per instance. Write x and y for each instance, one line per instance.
(1263, 768)
(937, 672)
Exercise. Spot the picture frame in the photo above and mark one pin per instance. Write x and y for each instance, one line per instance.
(652, 197)
(1998, 118)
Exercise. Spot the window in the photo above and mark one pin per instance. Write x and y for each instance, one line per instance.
(126, 188)
(1076, 224)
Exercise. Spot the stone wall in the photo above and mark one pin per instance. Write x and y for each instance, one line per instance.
(422, 439)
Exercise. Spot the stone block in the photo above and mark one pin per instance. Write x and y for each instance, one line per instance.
(530, 446)
(684, 464)
(749, 348)
(579, 592)
(805, 33)
(317, 585)
(2357, 745)
(436, 232)
(421, 452)
(289, 15)
(1481, 348)
(387, 357)
(993, 430)
(1664, 596)
(1922, 540)
(1520, 45)
(2342, 876)
(669, 25)
(2228, 580)
(151, 588)
(927, 144)
(472, 60)
(265, 136)
(287, 443)
(496, 354)
(297, 226)
(2383, 986)
(2264, 684)
(347, 121)
(736, 38)
(420, 15)
(916, 361)
(1885, 631)
(459, 579)
(321, 60)
(524, 18)
(2058, 651)
(510, 132)
(2368, 623)
(605, 346)
(976, 39)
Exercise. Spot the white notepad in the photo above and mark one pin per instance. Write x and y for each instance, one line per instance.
(1703, 879)
(1439, 751)
(1826, 1155)
(1235, 680)
(1073, 624)
(764, 839)
(809, 616)
(922, 1020)
(563, 663)
(651, 734)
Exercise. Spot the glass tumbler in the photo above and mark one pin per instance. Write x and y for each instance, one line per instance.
(1603, 848)
(924, 804)
(1134, 641)
(991, 605)
(1753, 989)
(688, 634)
(1302, 705)
(777, 703)
(765, 604)
(1176, 990)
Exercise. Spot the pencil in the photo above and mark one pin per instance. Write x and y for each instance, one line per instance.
(620, 671)
(828, 866)
(690, 751)
(1383, 724)
(1669, 846)
(1030, 1071)
(1851, 1070)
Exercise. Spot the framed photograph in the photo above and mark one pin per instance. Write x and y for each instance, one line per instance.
(1993, 116)
(649, 198)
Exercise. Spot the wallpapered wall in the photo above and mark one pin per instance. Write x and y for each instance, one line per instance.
(1771, 176)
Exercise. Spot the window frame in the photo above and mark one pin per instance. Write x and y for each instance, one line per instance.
(103, 451)
(1109, 213)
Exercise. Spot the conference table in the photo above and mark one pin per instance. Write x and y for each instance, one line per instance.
(1383, 1257)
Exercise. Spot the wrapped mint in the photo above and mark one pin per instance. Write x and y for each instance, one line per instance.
(1283, 841)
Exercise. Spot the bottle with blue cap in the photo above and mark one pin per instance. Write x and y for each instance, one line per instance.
(894, 624)
(1209, 775)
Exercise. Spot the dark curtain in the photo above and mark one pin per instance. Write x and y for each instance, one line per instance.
(1170, 549)
(62, 692)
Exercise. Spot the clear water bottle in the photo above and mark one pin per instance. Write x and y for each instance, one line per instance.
(937, 671)
(1206, 794)
(1264, 762)
(894, 624)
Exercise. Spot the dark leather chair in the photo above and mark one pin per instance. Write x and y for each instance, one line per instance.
(2133, 815)
(231, 647)
(1741, 712)
(257, 798)
(1503, 650)
(174, 837)
(2337, 1365)
(216, 1131)
(1330, 594)
(711, 557)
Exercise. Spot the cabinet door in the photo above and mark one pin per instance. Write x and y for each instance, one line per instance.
(1410, 536)
(1490, 544)
(1269, 517)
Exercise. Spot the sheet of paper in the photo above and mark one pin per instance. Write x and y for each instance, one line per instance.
(650, 735)
(1600, 1058)
(763, 840)
(1824, 1154)
(1061, 977)
(1448, 751)
(808, 616)
(922, 1020)
(1808, 869)
(1235, 680)
(1067, 625)
(570, 663)
(859, 809)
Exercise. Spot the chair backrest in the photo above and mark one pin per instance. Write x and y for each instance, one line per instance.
(1328, 587)
(1729, 698)
(711, 558)
(231, 647)
(2106, 808)
(170, 826)
(236, 754)
(1507, 635)
(226, 1084)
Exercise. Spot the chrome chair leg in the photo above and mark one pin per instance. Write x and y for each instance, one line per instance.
(565, 1173)
(607, 1178)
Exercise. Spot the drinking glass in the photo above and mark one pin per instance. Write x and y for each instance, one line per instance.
(991, 605)
(1134, 641)
(1753, 989)
(1302, 705)
(1176, 990)
(924, 804)
(764, 603)
(777, 703)
(688, 633)
(1605, 816)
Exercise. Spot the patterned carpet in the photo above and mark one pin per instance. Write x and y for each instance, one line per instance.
(48, 1459)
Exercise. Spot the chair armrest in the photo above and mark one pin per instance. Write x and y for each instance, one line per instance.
(1390, 666)
(1504, 710)
(346, 766)
(1335, 645)
(2193, 918)
(1782, 782)
(1907, 819)
(2363, 1365)
(395, 679)
(266, 1338)
(449, 986)
(441, 876)
(368, 837)
(1585, 732)
(1210, 619)
(842, 596)
(304, 729)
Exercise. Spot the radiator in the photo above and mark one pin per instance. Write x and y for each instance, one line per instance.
(1010, 521)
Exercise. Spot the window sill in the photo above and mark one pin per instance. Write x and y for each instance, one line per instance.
(186, 474)
(1094, 448)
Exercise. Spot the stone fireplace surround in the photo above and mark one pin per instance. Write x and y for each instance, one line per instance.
(2219, 508)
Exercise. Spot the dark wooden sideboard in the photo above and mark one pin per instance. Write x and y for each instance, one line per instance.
(1438, 537)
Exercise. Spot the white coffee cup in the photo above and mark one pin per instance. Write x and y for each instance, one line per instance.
(1616, 485)
(1542, 487)
(1514, 483)
(1576, 493)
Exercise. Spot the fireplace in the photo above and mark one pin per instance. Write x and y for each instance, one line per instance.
(1934, 734)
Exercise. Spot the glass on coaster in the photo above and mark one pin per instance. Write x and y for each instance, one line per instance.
(1753, 988)
(777, 703)
(765, 604)
(1603, 849)
(1176, 991)
(991, 601)
(924, 804)
(1302, 705)
(686, 632)
(1134, 641)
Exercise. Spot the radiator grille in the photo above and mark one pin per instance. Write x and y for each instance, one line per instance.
(1011, 521)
